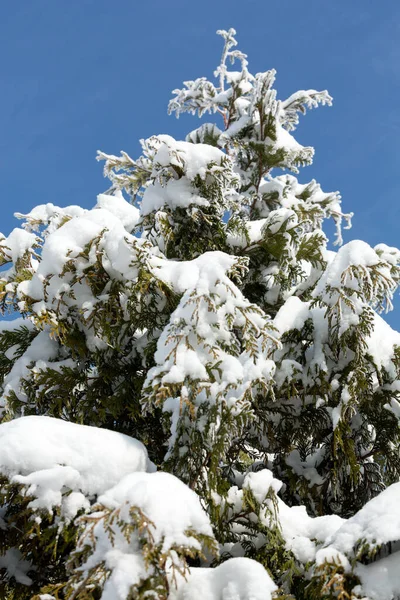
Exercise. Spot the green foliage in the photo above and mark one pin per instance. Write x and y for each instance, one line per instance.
(38, 537)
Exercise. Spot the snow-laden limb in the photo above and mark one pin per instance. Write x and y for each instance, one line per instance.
(91, 267)
(208, 133)
(185, 187)
(285, 254)
(256, 522)
(333, 554)
(65, 234)
(46, 218)
(16, 245)
(50, 471)
(211, 359)
(73, 247)
(137, 538)
(49, 456)
(299, 102)
(179, 169)
(362, 555)
(307, 200)
(260, 118)
(14, 566)
(192, 187)
(19, 252)
(34, 350)
(250, 109)
(345, 380)
(321, 549)
(361, 275)
(236, 579)
(375, 525)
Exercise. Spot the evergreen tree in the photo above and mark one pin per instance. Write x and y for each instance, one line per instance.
(199, 399)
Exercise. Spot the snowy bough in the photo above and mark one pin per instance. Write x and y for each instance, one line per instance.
(199, 400)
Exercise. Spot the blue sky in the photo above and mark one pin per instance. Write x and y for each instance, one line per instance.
(82, 75)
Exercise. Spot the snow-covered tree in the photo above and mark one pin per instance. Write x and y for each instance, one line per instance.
(199, 398)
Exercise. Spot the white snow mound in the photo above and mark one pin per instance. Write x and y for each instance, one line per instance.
(52, 456)
(235, 579)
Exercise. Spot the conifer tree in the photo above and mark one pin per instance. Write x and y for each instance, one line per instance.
(199, 399)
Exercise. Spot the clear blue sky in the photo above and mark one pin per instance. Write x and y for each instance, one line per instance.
(82, 75)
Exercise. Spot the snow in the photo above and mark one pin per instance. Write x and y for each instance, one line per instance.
(207, 129)
(42, 349)
(14, 324)
(286, 192)
(116, 205)
(381, 344)
(235, 579)
(179, 512)
(49, 216)
(285, 140)
(199, 333)
(260, 483)
(50, 455)
(358, 267)
(187, 364)
(355, 253)
(254, 234)
(194, 160)
(381, 341)
(176, 194)
(380, 580)
(304, 534)
(17, 244)
(236, 127)
(15, 566)
(201, 277)
(378, 522)
(117, 249)
(305, 468)
(173, 517)
(298, 101)
(67, 235)
(201, 273)
(71, 238)
(292, 315)
(65, 244)
(388, 253)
